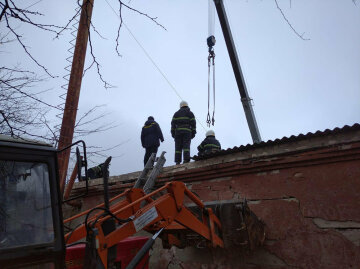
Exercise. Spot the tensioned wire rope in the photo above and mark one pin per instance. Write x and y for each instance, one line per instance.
(151, 60)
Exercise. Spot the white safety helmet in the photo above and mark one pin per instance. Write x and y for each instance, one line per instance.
(210, 133)
(183, 103)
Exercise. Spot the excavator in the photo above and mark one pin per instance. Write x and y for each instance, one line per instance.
(32, 225)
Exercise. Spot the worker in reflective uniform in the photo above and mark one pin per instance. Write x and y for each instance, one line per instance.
(183, 129)
(95, 172)
(210, 144)
(150, 136)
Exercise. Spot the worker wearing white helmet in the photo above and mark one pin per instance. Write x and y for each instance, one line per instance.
(183, 129)
(183, 104)
(210, 144)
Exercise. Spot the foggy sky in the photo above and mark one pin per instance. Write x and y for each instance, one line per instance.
(297, 86)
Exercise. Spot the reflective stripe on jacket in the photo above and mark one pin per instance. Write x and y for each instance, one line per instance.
(209, 144)
(183, 121)
(151, 134)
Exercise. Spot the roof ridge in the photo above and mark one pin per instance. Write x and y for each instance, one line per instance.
(292, 138)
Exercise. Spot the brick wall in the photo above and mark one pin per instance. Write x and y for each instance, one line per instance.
(307, 192)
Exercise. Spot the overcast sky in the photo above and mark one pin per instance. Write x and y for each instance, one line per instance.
(297, 86)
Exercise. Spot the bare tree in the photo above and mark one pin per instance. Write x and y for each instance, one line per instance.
(21, 109)
(122, 5)
(24, 115)
(13, 13)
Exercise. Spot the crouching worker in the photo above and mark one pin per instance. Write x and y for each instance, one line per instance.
(210, 144)
(94, 172)
(150, 136)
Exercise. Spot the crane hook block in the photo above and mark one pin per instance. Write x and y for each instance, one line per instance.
(211, 41)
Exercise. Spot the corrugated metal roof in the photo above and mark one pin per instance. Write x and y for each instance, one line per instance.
(278, 141)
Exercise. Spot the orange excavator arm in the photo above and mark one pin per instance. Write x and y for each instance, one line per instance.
(162, 209)
(130, 196)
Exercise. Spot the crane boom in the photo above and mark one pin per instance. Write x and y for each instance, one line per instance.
(245, 99)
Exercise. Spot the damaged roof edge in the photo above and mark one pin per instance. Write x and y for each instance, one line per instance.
(278, 141)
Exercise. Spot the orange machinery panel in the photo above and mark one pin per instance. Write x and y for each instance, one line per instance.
(126, 251)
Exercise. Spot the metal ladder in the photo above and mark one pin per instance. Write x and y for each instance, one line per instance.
(147, 183)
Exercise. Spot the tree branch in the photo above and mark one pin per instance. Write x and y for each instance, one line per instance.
(7, 122)
(4, 7)
(288, 22)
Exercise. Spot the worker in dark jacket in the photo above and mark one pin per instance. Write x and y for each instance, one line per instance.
(150, 136)
(210, 144)
(183, 129)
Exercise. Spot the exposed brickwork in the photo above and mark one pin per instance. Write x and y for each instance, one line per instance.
(288, 199)
(309, 200)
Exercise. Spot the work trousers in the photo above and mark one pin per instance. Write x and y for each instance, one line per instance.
(148, 152)
(182, 143)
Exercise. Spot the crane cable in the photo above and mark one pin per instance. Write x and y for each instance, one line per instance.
(211, 61)
(151, 60)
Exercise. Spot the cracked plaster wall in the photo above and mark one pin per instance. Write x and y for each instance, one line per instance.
(308, 200)
(311, 214)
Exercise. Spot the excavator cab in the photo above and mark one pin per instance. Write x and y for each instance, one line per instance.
(31, 224)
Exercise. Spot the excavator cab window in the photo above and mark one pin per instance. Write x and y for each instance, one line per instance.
(25, 204)
(31, 228)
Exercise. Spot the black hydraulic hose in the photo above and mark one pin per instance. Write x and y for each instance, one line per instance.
(142, 252)
(76, 243)
(108, 212)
